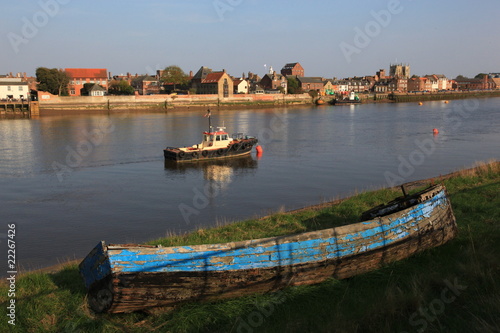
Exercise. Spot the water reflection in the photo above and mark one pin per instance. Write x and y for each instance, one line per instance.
(218, 171)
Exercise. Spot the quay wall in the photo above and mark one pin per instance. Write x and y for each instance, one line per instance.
(54, 102)
(421, 97)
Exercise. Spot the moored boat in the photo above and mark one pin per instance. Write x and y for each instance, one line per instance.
(130, 277)
(215, 144)
(353, 98)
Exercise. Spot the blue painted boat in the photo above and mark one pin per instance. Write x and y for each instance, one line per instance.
(130, 277)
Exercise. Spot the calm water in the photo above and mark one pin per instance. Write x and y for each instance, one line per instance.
(71, 181)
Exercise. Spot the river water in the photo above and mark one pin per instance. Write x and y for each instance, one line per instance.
(67, 182)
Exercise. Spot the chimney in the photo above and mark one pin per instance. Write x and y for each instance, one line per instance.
(190, 73)
(223, 70)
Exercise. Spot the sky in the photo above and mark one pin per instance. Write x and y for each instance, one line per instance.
(329, 38)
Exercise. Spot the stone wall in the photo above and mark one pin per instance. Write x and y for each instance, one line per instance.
(48, 101)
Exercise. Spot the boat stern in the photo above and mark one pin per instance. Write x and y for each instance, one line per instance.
(95, 267)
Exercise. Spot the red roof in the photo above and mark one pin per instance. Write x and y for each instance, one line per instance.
(94, 73)
(213, 77)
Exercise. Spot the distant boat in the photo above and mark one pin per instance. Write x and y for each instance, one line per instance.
(216, 144)
(130, 277)
(353, 98)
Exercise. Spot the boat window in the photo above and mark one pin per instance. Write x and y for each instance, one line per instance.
(207, 137)
(218, 138)
(224, 137)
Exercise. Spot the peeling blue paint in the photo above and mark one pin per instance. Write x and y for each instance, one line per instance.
(262, 253)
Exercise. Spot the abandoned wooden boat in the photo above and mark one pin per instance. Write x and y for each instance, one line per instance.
(215, 144)
(126, 278)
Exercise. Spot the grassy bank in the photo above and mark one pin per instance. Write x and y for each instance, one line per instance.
(452, 288)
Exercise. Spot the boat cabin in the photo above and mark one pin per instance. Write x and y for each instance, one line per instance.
(215, 139)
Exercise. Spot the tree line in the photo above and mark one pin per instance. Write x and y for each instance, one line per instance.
(56, 81)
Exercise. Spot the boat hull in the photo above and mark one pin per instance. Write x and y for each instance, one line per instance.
(239, 148)
(126, 278)
(344, 102)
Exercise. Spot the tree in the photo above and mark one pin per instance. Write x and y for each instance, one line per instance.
(415, 76)
(480, 76)
(120, 87)
(460, 77)
(54, 80)
(293, 86)
(174, 75)
(313, 93)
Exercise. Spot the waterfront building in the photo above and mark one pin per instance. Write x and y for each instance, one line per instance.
(463, 83)
(13, 89)
(241, 86)
(218, 83)
(96, 90)
(274, 81)
(146, 85)
(79, 76)
(293, 68)
(311, 83)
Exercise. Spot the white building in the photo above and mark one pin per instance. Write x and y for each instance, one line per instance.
(13, 89)
(241, 86)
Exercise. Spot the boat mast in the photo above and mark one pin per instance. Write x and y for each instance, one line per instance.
(209, 120)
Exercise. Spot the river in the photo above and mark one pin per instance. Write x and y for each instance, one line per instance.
(67, 182)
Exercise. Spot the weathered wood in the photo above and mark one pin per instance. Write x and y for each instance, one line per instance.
(140, 277)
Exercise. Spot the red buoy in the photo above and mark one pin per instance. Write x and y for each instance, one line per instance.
(259, 149)
(435, 131)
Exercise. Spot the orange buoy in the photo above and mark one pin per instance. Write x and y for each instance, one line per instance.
(435, 131)
(420, 103)
(445, 102)
(259, 149)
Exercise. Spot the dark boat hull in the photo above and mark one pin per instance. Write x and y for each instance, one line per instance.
(239, 148)
(343, 102)
(126, 278)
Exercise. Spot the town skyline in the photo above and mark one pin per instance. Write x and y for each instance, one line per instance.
(330, 40)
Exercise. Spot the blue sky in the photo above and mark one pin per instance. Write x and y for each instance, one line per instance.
(326, 37)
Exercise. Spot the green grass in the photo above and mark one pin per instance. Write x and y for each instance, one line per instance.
(386, 300)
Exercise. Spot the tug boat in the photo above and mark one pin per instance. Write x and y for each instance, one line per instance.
(215, 144)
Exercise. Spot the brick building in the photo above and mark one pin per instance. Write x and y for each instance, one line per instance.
(274, 81)
(311, 83)
(293, 68)
(79, 76)
(217, 83)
